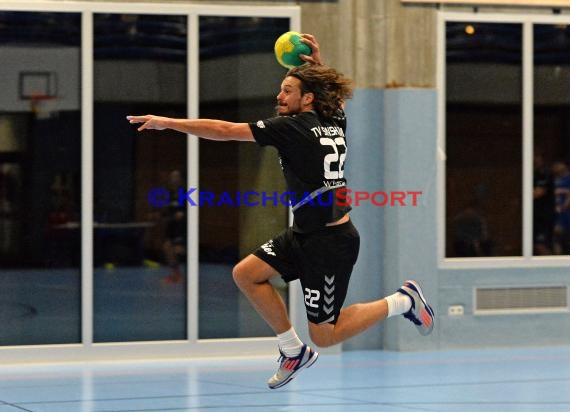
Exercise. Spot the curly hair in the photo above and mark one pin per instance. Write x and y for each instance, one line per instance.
(329, 87)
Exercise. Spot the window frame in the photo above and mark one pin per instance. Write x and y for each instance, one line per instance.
(527, 259)
(191, 346)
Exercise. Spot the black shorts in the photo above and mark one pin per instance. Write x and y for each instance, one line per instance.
(321, 260)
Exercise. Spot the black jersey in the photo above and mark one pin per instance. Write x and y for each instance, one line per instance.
(312, 152)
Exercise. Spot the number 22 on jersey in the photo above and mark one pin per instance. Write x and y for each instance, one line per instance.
(334, 162)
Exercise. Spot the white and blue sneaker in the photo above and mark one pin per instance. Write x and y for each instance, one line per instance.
(421, 314)
(290, 367)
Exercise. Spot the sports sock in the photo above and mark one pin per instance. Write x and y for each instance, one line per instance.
(398, 303)
(289, 343)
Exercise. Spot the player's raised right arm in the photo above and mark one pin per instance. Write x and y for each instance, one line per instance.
(315, 56)
(210, 129)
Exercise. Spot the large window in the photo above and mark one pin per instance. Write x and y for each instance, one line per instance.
(507, 179)
(139, 248)
(483, 139)
(40, 178)
(551, 173)
(238, 82)
(90, 263)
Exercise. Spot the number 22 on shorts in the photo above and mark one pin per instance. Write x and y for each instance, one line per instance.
(312, 296)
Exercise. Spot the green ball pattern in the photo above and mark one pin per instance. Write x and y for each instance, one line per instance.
(292, 58)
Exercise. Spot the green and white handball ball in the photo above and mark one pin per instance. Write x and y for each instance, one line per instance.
(288, 47)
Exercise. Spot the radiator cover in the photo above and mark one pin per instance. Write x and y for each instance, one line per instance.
(527, 299)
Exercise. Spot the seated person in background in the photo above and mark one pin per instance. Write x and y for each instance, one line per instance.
(470, 236)
(174, 246)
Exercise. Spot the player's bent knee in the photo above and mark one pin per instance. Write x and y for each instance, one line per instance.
(239, 275)
(252, 271)
(322, 335)
(245, 275)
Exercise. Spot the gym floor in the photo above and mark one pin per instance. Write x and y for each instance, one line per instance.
(505, 380)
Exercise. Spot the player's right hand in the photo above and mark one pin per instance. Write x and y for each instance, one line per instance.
(311, 41)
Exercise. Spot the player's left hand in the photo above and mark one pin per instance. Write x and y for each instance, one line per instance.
(315, 56)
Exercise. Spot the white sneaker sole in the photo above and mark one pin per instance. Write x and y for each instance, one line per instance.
(294, 374)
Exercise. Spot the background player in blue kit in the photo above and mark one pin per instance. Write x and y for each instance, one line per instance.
(321, 247)
(562, 208)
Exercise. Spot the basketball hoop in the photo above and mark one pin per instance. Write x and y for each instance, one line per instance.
(42, 105)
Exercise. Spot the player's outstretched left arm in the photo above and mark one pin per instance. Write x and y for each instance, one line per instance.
(315, 57)
(210, 129)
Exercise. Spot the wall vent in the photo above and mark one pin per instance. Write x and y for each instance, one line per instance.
(537, 299)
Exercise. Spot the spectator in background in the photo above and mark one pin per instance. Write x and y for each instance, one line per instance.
(470, 229)
(543, 207)
(562, 201)
(174, 246)
(471, 236)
